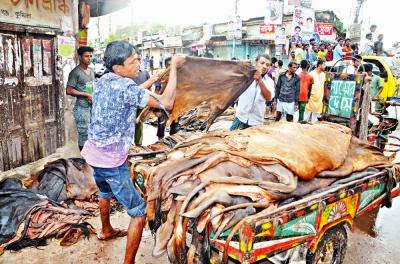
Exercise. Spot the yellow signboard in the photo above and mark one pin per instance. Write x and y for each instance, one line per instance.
(40, 13)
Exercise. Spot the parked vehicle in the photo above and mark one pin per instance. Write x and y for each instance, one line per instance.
(389, 71)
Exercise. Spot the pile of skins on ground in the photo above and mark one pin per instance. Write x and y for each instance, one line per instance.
(226, 178)
(56, 202)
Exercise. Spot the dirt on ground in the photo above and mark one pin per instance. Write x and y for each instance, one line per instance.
(376, 240)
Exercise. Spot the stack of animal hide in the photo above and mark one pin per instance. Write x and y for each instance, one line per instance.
(225, 178)
(28, 218)
(194, 119)
(67, 181)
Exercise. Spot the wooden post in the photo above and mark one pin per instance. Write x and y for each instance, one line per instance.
(366, 100)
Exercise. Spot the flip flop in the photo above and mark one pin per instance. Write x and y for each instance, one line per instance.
(119, 233)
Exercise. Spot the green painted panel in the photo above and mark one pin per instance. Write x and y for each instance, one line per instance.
(341, 98)
(371, 194)
(300, 226)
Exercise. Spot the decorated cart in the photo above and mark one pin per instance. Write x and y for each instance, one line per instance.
(318, 223)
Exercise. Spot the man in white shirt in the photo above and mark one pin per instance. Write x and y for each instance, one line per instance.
(368, 46)
(355, 66)
(251, 106)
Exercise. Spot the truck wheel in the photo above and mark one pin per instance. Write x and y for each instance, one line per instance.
(331, 249)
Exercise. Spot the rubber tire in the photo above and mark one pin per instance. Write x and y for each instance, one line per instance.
(339, 237)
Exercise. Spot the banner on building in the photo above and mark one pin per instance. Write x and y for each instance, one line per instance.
(83, 37)
(267, 31)
(303, 24)
(325, 31)
(280, 36)
(66, 47)
(41, 13)
(234, 28)
(274, 12)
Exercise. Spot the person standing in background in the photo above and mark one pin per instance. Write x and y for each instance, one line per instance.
(299, 53)
(338, 51)
(321, 55)
(329, 53)
(347, 51)
(369, 45)
(287, 93)
(80, 85)
(281, 70)
(315, 104)
(313, 55)
(273, 70)
(151, 64)
(373, 32)
(306, 82)
(250, 110)
(143, 80)
(379, 50)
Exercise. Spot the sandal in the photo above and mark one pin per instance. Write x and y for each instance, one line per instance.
(118, 233)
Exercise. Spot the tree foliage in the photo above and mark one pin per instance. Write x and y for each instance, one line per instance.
(130, 32)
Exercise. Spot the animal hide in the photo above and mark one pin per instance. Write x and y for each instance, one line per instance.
(217, 82)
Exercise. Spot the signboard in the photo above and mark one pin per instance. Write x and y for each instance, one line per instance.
(234, 28)
(355, 31)
(324, 29)
(267, 30)
(66, 47)
(303, 24)
(42, 13)
(274, 12)
(341, 98)
(175, 41)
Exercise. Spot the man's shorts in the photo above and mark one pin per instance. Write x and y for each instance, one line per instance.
(115, 182)
(285, 108)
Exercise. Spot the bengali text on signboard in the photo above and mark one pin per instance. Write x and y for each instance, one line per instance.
(42, 13)
(341, 98)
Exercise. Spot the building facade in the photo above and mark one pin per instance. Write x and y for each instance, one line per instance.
(33, 34)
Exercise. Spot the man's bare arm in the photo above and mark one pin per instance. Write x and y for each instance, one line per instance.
(74, 92)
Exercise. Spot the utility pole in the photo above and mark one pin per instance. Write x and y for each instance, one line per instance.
(132, 37)
(98, 32)
(358, 8)
(235, 24)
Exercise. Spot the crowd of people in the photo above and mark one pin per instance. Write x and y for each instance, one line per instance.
(294, 89)
(344, 48)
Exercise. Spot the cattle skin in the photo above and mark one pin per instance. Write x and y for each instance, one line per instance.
(217, 82)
